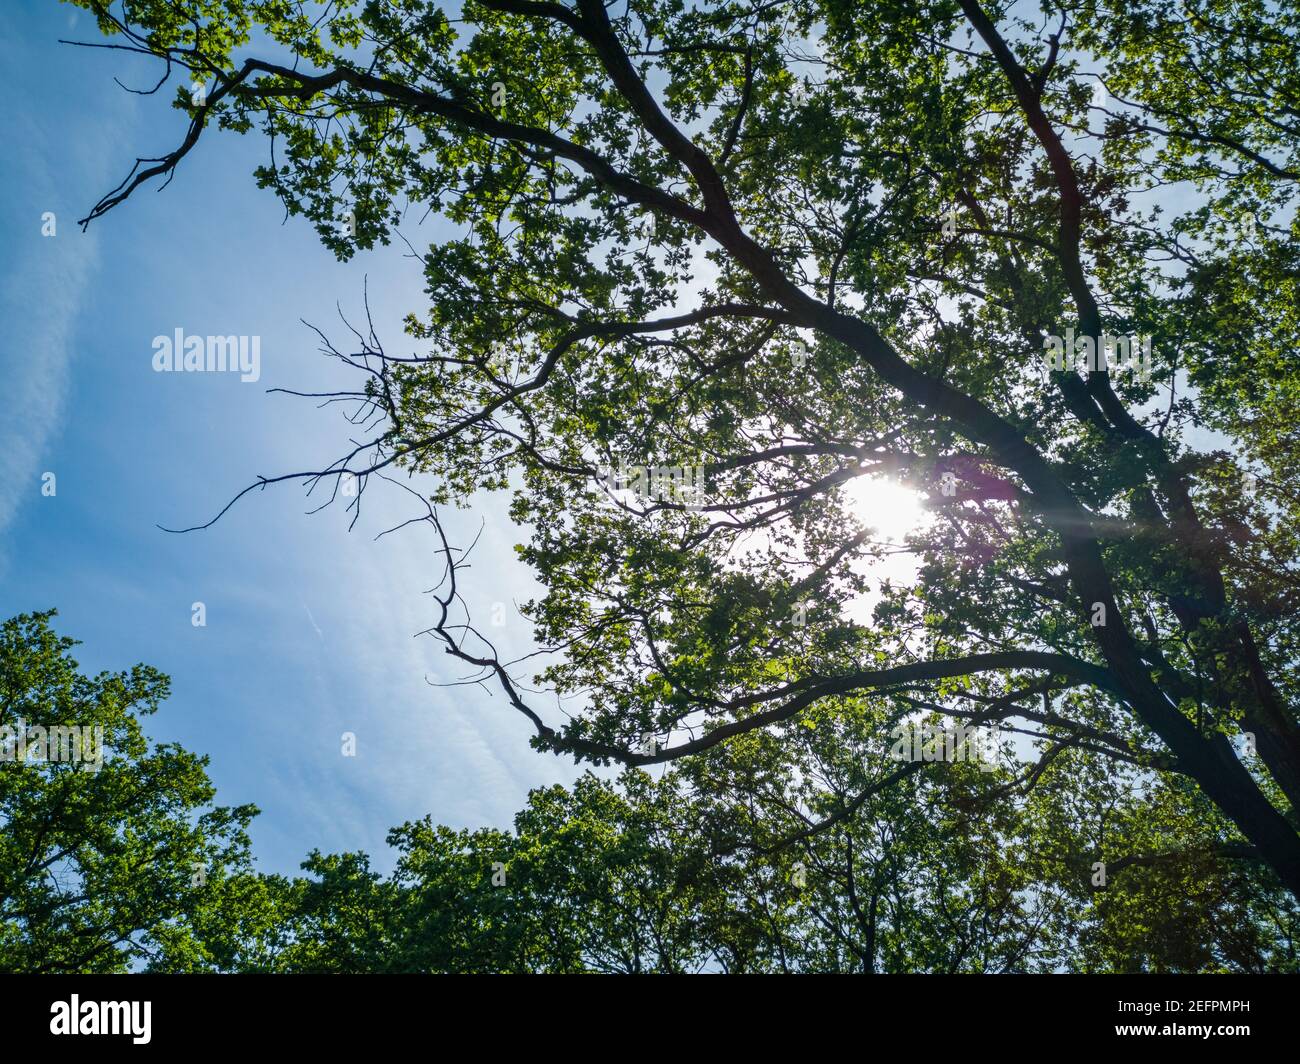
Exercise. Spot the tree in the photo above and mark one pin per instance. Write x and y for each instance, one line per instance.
(586, 882)
(109, 845)
(795, 849)
(751, 252)
(727, 863)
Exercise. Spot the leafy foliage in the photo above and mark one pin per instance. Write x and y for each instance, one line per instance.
(101, 868)
(649, 208)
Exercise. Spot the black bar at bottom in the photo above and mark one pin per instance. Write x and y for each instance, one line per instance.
(212, 1013)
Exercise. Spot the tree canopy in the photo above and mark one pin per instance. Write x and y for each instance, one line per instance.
(107, 847)
(711, 265)
(716, 865)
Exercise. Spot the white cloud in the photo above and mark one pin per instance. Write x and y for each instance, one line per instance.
(39, 299)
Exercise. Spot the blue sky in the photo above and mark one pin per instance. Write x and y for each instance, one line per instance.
(310, 627)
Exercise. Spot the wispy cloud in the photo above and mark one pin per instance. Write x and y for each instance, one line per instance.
(52, 161)
(39, 299)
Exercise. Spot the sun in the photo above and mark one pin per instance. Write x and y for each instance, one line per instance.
(893, 510)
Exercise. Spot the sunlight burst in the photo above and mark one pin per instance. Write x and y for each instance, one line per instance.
(892, 509)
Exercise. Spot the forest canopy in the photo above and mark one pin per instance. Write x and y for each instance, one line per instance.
(711, 866)
(706, 274)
